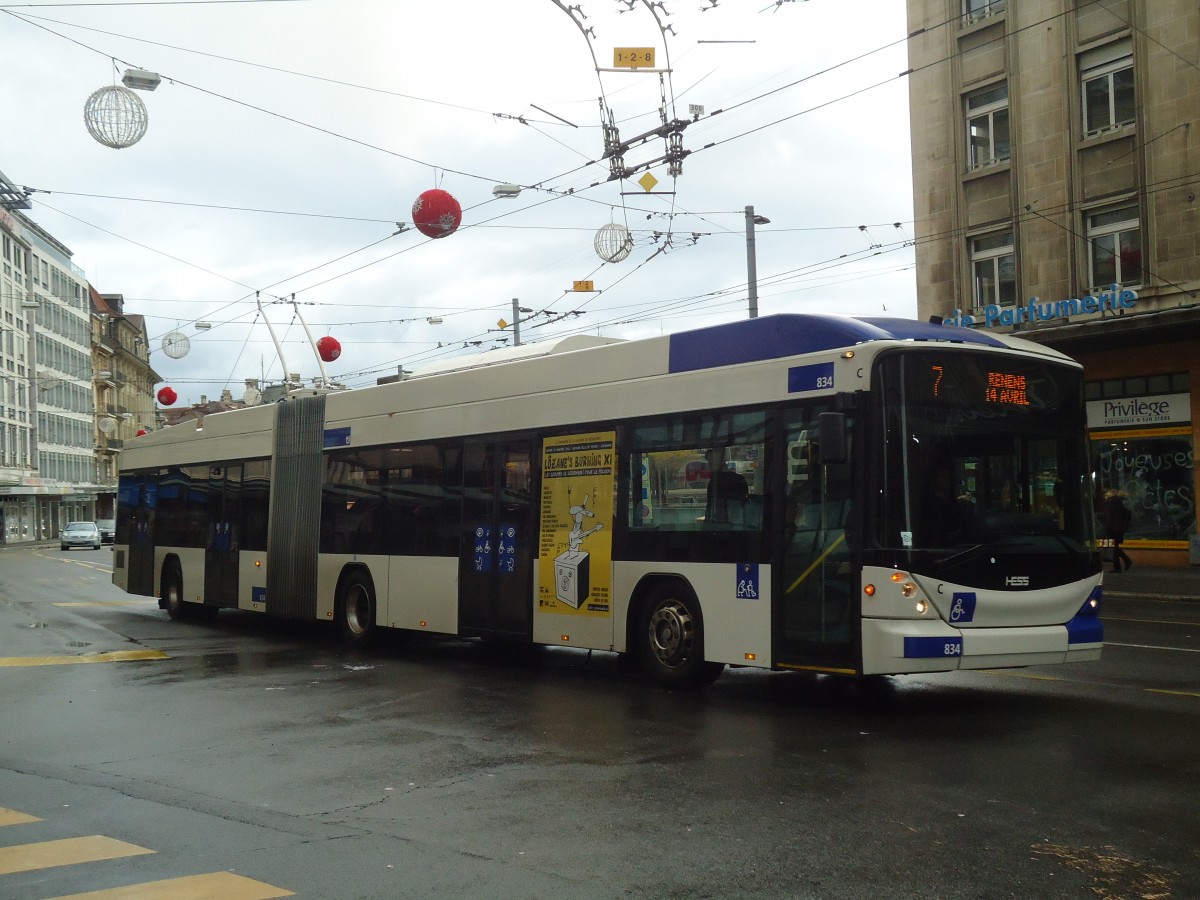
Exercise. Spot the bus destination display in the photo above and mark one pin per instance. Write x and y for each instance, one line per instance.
(1005, 388)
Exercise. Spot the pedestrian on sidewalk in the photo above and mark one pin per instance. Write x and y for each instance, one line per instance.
(1116, 519)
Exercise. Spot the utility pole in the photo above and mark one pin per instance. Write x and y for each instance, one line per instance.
(516, 323)
(751, 258)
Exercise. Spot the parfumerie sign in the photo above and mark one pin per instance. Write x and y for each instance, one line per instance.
(993, 315)
(1157, 409)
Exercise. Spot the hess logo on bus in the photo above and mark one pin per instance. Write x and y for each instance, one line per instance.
(1017, 581)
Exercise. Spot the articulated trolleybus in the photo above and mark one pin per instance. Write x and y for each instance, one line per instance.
(830, 494)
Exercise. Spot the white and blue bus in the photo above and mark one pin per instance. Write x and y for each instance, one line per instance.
(842, 495)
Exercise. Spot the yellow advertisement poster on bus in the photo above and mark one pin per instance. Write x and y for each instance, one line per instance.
(575, 560)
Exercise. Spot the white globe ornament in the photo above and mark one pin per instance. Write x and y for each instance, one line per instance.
(176, 345)
(115, 116)
(613, 243)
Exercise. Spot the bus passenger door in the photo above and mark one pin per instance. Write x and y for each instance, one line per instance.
(135, 529)
(818, 619)
(495, 583)
(221, 545)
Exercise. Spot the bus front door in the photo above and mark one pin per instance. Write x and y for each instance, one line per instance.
(495, 583)
(221, 546)
(818, 618)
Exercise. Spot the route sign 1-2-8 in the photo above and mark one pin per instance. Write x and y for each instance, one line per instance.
(633, 57)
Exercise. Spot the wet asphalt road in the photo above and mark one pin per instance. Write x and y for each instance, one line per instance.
(443, 768)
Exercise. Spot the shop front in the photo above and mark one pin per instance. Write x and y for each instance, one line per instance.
(1142, 376)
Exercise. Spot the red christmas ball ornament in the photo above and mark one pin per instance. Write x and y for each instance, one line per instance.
(329, 348)
(167, 396)
(436, 213)
(141, 432)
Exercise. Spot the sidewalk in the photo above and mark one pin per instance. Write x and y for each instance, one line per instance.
(1151, 581)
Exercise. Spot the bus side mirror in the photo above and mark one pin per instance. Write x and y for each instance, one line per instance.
(831, 426)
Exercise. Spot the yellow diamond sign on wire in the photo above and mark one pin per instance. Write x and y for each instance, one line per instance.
(647, 182)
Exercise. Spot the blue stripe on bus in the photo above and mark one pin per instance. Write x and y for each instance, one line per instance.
(929, 647)
(817, 377)
(775, 337)
(1086, 627)
(337, 437)
(1085, 630)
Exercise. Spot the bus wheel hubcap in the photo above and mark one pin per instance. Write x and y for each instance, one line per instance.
(671, 633)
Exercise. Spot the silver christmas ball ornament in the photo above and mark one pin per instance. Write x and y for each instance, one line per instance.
(115, 116)
(613, 243)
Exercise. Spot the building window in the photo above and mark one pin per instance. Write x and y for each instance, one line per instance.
(1114, 237)
(1106, 78)
(974, 10)
(993, 269)
(987, 126)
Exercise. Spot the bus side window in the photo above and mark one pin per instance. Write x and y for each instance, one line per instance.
(728, 498)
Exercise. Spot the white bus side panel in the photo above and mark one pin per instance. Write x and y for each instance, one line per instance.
(422, 594)
(120, 576)
(191, 566)
(571, 628)
(329, 570)
(737, 630)
(252, 580)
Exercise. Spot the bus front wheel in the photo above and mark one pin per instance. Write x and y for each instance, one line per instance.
(356, 608)
(670, 637)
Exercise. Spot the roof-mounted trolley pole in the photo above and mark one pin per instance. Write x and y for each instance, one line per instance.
(311, 343)
(275, 340)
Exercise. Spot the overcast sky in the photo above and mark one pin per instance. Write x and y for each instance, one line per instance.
(290, 137)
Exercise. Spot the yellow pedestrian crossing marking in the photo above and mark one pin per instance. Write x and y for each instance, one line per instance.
(113, 656)
(65, 852)
(224, 885)
(12, 817)
(96, 848)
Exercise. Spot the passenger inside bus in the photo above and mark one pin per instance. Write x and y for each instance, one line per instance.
(728, 495)
(946, 518)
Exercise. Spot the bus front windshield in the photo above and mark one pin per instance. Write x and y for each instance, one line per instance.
(983, 457)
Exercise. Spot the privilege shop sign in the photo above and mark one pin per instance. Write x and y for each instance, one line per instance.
(994, 315)
(1157, 409)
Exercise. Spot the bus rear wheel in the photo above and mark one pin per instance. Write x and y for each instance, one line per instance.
(356, 609)
(172, 592)
(670, 640)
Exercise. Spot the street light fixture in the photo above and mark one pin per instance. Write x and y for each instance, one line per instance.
(141, 80)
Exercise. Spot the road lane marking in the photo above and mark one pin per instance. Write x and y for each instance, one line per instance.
(1025, 675)
(66, 852)
(1152, 647)
(12, 817)
(1108, 618)
(114, 656)
(102, 602)
(225, 885)
(1172, 693)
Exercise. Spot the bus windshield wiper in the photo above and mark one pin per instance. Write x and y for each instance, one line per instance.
(961, 555)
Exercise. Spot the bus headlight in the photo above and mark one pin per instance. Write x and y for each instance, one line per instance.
(922, 605)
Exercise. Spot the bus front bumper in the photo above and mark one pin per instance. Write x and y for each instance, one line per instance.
(894, 646)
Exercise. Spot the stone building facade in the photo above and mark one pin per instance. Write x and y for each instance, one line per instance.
(1056, 168)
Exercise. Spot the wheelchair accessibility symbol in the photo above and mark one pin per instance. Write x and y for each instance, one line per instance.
(962, 608)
